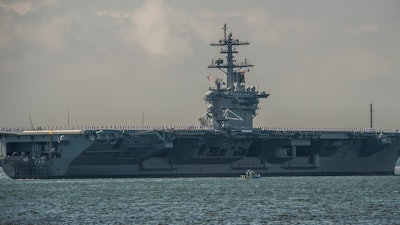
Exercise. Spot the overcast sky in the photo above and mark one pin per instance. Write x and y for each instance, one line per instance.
(110, 62)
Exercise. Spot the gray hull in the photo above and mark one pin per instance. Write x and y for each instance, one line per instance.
(113, 153)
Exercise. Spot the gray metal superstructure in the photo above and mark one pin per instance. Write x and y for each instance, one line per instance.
(227, 145)
(232, 105)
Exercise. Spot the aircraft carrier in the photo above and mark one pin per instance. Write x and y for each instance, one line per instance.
(226, 144)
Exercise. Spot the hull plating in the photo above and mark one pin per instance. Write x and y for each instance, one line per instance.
(197, 154)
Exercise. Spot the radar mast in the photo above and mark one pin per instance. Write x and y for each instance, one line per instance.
(230, 67)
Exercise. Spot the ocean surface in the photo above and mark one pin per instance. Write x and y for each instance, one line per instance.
(268, 200)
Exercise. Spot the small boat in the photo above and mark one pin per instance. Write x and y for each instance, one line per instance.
(250, 174)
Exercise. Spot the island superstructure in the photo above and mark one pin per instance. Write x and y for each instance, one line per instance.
(226, 145)
(232, 105)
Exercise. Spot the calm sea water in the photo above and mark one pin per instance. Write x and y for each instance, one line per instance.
(269, 200)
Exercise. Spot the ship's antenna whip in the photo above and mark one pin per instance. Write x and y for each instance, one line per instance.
(68, 120)
(30, 121)
(142, 120)
(225, 28)
(371, 110)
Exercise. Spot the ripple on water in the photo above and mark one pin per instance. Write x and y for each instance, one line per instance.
(275, 200)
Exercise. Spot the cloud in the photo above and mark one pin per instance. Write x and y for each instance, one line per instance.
(95, 52)
(169, 31)
(362, 29)
(152, 29)
(114, 14)
(155, 27)
(19, 7)
(48, 35)
(52, 34)
(369, 28)
(45, 32)
(25, 7)
(5, 30)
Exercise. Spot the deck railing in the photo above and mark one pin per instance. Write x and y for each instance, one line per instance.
(192, 127)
